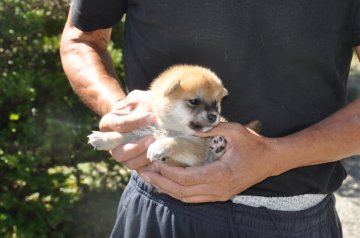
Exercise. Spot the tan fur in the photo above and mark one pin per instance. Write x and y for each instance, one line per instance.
(179, 83)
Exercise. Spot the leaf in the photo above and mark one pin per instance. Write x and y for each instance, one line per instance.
(14, 116)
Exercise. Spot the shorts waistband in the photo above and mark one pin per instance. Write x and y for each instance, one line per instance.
(149, 191)
(293, 203)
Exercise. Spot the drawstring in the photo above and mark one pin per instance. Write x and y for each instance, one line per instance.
(230, 218)
(273, 221)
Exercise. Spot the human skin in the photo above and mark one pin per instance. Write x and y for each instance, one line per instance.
(91, 74)
(250, 158)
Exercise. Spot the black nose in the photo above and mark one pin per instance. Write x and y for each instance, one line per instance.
(212, 117)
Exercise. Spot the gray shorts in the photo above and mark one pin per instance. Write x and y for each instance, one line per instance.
(143, 212)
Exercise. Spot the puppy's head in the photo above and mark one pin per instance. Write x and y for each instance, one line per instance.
(188, 98)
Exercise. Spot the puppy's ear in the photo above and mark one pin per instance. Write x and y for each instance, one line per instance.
(172, 87)
(225, 93)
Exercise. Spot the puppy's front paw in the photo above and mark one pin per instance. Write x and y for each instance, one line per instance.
(217, 146)
(104, 140)
(159, 150)
(96, 140)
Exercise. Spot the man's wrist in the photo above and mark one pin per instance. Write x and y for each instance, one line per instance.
(291, 152)
(278, 156)
(113, 104)
(108, 102)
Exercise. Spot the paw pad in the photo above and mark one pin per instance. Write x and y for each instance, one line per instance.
(217, 145)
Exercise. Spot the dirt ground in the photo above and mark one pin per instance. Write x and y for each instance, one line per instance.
(348, 199)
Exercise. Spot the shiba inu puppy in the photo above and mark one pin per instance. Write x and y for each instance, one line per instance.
(185, 99)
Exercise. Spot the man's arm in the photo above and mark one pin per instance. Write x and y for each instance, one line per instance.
(89, 68)
(330, 140)
(90, 71)
(251, 158)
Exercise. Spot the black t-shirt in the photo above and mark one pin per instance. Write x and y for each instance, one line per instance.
(285, 63)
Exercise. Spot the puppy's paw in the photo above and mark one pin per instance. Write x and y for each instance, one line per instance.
(160, 150)
(96, 140)
(104, 140)
(217, 146)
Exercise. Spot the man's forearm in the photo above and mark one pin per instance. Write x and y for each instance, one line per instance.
(330, 140)
(89, 68)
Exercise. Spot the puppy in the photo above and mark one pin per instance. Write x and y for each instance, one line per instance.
(185, 99)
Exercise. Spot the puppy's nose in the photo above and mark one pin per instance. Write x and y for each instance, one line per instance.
(212, 117)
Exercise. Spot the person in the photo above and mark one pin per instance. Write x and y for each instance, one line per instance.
(284, 63)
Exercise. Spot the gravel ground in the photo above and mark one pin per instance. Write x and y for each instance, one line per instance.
(348, 199)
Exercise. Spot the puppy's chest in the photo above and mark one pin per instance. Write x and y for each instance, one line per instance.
(158, 132)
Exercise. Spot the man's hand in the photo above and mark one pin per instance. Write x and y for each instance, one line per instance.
(124, 118)
(245, 163)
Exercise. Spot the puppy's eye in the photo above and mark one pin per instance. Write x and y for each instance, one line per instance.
(194, 102)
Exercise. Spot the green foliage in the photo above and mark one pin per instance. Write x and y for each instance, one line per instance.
(52, 183)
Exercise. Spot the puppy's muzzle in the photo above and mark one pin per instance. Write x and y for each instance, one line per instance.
(212, 117)
(205, 121)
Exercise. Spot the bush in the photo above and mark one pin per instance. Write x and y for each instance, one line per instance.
(52, 183)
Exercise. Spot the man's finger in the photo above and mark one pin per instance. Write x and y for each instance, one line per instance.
(124, 110)
(125, 152)
(216, 131)
(204, 198)
(176, 190)
(137, 162)
(131, 100)
(190, 176)
(225, 129)
(134, 121)
(126, 123)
